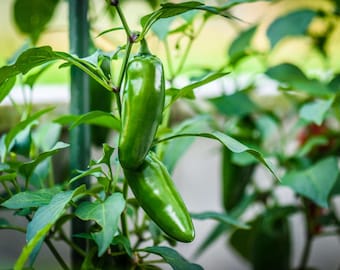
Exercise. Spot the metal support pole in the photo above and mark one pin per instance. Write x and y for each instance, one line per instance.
(80, 136)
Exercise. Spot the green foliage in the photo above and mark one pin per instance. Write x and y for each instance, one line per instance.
(293, 134)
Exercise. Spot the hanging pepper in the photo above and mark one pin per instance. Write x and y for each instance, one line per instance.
(157, 195)
(142, 106)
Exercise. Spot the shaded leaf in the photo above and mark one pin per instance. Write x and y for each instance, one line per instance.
(316, 111)
(124, 242)
(334, 84)
(295, 79)
(237, 104)
(31, 17)
(173, 258)
(106, 214)
(295, 23)
(269, 234)
(241, 44)
(315, 182)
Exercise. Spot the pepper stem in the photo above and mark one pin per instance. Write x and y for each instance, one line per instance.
(144, 49)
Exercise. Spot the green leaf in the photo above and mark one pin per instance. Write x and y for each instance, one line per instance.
(295, 23)
(44, 218)
(28, 199)
(31, 79)
(231, 3)
(175, 148)
(222, 228)
(106, 214)
(237, 104)
(8, 176)
(29, 59)
(334, 84)
(269, 234)
(188, 90)
(99, 118)
(6, 87)
(45, 136)
(31, 17)
(231, 143)
(27, 168)
(316, 111)
(162, 27)
(106, 157)
(221, 217)
(241, 44)
(94, 171)
(31, 246)
(316, 182)
(110, 30)
(172, 257)
(171, 9)
(22, 125)
(124, 242)
(38, 56)
(310, 144)
(295, 79)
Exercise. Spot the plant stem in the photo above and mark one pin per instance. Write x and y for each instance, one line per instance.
(125, 230)
(56, 254)
(122, 73)
(188, 47)
(13, 228)
(123, 20)
(7, 189)
(131, 38)
(306, 251)
(71, 244)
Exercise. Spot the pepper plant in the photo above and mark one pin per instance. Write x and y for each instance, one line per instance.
(141, 144)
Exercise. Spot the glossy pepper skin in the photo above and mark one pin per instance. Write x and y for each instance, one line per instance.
(157, 195)
(142, 106)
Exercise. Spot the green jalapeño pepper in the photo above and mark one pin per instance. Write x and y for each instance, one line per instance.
(142, 106)
(157, 195)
